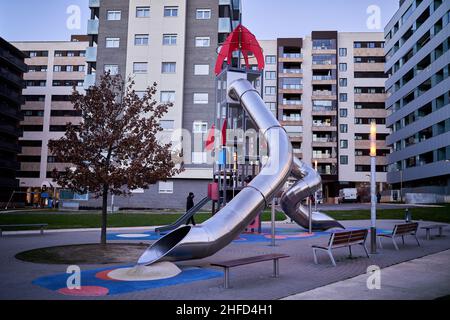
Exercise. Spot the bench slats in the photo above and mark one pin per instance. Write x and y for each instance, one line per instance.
(244, 261)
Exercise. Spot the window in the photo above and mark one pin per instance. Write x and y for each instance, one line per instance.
(199, 157)
(344, 159)
(203, 14)
(57, 68)
(140, 67)
(169, 67)
(200, 127)
(169, 39)
(202, 41)
(271, 91)
(167, 96)
(344, 144)
(142, 12)
(170, 11)
(165, 187)
(201, 69)
(342, 52)
(201, 98)
(113, 15)
(343, 128)
(343, 97)
(113, 69)
(342, 67)
(343, 113)
(272, 106)
(271, 59)
(167, 125)
(112, 42)
(343, 82)
(141, 40)
(271, 75)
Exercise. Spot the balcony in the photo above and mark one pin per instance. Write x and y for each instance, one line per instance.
(4, 54)
(91, 54)
(287, 102)
(94, 3)
(89, 81)
(324, 95)
(92, 27)
(9, 164)
(16, 80)
(295, 136)
(292, 71)
(291, 57)
(328, 170)
(224, 25)
(12, 95)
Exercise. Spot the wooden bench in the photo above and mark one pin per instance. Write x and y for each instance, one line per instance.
(240, 262)
(401, 230)
(343, 239)
(434, 226)
(42, 226)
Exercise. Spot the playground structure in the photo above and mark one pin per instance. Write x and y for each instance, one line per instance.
(247, 180)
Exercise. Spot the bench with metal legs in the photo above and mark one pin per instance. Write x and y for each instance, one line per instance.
(343, 239)
(401, 230)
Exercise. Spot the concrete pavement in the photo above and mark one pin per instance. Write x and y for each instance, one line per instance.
(424, 278)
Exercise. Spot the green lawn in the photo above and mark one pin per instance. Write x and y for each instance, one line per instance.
(91, 219)
(440, 214)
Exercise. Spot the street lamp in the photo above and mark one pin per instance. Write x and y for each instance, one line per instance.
(315, 193)
(373, 197)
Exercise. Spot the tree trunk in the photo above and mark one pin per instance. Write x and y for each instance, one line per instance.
(104, 214)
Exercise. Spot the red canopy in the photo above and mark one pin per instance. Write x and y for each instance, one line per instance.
(240, 39)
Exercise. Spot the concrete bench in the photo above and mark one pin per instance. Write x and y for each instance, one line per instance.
(42, 226)
(244, 261)
(434, 226)
(343, 239)
(401, 230)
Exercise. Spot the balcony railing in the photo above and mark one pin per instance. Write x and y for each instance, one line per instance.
(327, 170)
(292, 102)
(321, 156)
(323, 124)
(13, 59)
(94, 3)
(292, 71)
(296, 117)
(292, 55)
(323, 108)
(292, 86)
(92, 28)
(324, 62)
(322, 93)
(224, 25)
(322, 78)
(91, 54)
(324, 139)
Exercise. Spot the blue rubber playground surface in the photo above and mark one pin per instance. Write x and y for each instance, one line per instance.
(96, 282)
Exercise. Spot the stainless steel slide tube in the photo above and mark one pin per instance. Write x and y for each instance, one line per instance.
(308, 183)
(202, 241)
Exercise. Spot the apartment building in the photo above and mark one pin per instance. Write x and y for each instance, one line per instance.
(326, 89)
(418, 64)
(12, 68)
(175, 44)
(53, 69)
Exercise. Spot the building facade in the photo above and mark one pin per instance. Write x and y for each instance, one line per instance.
(12, 68)
(326, 89)
(175, 44)
(418, 65)
(53, 69)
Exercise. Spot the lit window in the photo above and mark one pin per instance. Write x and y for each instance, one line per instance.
(271, 59)
(142, 12)
(344, 144)
(165, 187)
(344, 159)
(113, 69)
(112, 42)
(169, 67)
(141, 40)
(203, 14)
(200, 127)
(169, 39)
(271, 91)
(140, 67)
(167, 96)
(342, 52)
(201, 69)
(202, 41)
(170, 11)
(201, 98)
(113, 15)
(342, 67)
(271, 75)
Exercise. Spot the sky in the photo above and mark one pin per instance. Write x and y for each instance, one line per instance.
(31, 20)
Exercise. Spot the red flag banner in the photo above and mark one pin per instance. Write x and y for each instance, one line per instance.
(209, 144)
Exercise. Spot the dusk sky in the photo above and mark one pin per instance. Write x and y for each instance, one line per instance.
(46, 19)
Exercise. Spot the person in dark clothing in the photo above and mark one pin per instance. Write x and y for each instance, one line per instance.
(189, 206)
(379, 197)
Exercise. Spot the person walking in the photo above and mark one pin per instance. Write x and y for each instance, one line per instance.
(189, 206)
(379, 197)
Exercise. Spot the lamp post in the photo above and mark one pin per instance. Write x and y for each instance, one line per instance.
(315, 193)
(373, 197)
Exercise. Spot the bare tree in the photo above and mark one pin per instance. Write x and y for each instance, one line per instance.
(116, 147)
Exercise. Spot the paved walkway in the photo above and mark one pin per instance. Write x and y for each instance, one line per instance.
(423, 278)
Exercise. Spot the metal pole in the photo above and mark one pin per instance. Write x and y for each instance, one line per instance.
(373, 197)
(310, 215)
(272, 243)
(315, 193)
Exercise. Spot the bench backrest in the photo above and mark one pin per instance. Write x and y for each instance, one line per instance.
(405, 228)
(347, 237)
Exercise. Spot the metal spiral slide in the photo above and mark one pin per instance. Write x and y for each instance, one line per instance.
(188, 242)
